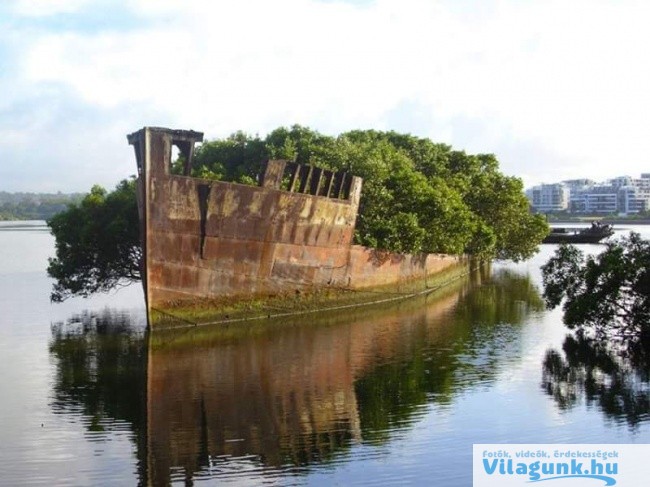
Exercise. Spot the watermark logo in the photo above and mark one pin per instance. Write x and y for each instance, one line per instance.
(561, 465)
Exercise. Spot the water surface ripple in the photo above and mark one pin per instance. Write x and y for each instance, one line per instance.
(376, 396)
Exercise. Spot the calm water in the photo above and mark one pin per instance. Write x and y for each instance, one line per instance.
(397, 394)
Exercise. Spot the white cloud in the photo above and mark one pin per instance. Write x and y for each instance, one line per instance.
(256, 63)
(567, 78)
(43, 8)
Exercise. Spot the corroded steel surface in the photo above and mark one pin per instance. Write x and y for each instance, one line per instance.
(293, 232)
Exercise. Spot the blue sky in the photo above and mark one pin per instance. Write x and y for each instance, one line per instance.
(556, 89)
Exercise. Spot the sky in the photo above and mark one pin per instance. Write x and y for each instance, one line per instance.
(555, 89)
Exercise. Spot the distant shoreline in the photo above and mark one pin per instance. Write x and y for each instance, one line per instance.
(22, 224)
(614, 221)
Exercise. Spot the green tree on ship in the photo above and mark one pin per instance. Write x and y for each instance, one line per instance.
(418, 196)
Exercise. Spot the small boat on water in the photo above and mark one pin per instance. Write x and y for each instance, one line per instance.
(577, 235)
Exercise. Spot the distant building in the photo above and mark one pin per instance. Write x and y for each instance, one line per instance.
(597, 199)
(622, 195)
(643, 185)
(549, 198)
(575, 184)
(631, 200)
(577, 188)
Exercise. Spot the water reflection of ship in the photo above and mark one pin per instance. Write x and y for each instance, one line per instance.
(294, 395)
(286, 396)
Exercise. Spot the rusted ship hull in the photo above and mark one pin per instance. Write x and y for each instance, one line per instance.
(211, 240)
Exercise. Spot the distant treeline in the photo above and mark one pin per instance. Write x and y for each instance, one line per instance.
(34, 206)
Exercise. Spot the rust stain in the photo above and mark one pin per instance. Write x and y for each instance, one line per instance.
(206, 238)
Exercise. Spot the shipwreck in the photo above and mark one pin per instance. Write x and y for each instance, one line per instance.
(217, 243)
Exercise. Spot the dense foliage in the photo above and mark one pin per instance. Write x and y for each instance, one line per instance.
(418, 196)
(608, 293)
(97, 243)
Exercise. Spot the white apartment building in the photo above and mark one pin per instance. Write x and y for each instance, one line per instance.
(598, 199)
(622, 195)
(547, 198)
(631, 200)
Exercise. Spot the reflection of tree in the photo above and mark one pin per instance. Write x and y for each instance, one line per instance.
(101, 372)
(597, 373)
(480, 332)
(285, 395)
(506, 297)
